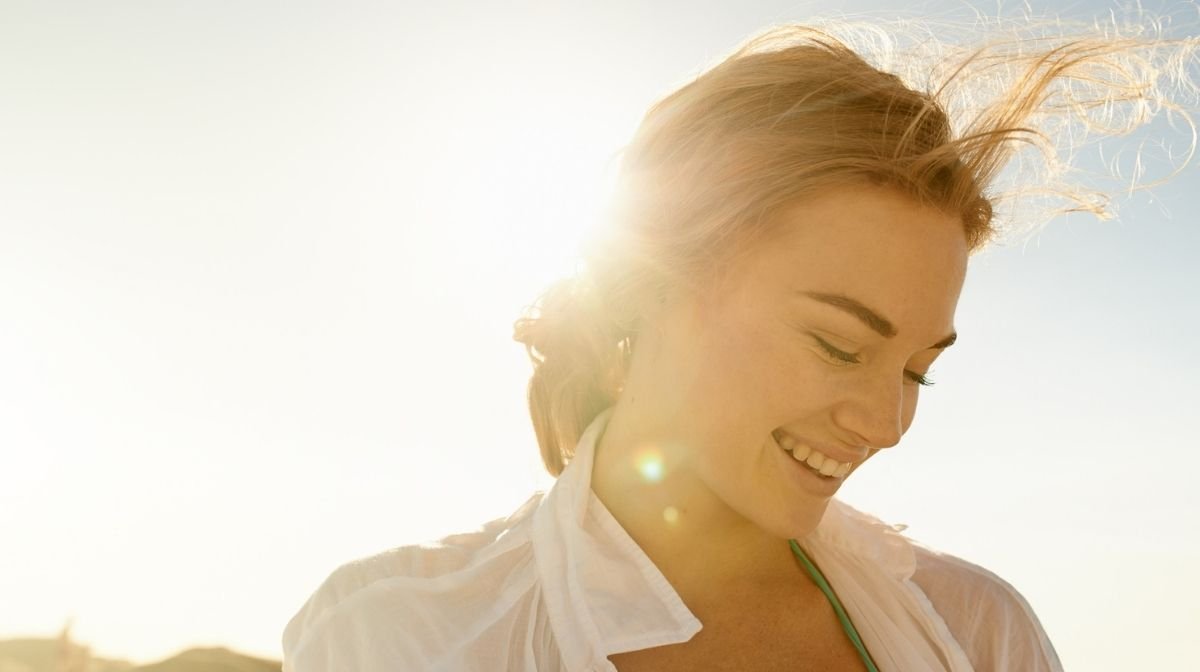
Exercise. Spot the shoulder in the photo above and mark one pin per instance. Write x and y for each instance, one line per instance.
(402, 606)
(990, 619)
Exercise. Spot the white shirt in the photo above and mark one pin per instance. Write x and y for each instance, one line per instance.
(559, 586)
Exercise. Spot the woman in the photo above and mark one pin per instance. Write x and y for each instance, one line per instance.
(782, 270)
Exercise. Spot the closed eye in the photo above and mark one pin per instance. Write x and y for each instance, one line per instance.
(842, 358)
(834, 353)
(918, 378)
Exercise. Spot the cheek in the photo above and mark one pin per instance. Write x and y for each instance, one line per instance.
(771, 375)
(736, 355)
(738, 384)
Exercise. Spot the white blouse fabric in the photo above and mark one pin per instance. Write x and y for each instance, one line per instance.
(560, 586)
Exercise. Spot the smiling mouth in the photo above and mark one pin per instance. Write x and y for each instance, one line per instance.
(816, 461)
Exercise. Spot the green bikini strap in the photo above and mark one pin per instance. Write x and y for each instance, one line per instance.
(837, 606)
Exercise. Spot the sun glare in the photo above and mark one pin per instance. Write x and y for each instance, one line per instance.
(650, 465)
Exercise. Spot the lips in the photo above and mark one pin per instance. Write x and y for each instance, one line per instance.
(802, 474)
(834, 453)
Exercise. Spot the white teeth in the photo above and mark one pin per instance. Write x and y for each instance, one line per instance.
(816, 460)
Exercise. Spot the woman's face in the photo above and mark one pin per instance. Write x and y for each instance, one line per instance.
(815, 343)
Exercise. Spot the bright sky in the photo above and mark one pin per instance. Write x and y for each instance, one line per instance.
(258, 271)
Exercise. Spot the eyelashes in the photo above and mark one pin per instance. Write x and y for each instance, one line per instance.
(834, 353)
(843, 358)
(918, 378)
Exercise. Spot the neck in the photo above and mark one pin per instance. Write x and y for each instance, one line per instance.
(702, 546)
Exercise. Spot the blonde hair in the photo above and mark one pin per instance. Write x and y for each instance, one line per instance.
(795, 110)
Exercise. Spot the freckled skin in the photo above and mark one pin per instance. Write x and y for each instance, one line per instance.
(715, 372)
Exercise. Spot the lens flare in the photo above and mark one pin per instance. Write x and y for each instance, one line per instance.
(671, 515)
(650, 465)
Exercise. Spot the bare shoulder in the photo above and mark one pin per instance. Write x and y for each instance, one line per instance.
(992, 621)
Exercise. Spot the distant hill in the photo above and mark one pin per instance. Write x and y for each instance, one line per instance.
(211, 660)
(42, 655)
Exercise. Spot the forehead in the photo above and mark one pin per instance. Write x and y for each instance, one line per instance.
(875, 244)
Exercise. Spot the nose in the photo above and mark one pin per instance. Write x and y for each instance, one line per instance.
(873, 413)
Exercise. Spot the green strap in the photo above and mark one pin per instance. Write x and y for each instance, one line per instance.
(837, 606)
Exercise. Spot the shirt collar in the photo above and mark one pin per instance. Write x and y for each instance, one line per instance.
(603, 593)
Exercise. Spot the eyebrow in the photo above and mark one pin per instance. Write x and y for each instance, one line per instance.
(872, 319)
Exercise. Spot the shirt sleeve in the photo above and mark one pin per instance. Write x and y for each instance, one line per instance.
(420, 607)
(332, 630)
(992, 621)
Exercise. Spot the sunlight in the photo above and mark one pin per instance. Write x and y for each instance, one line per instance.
(650, 465)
